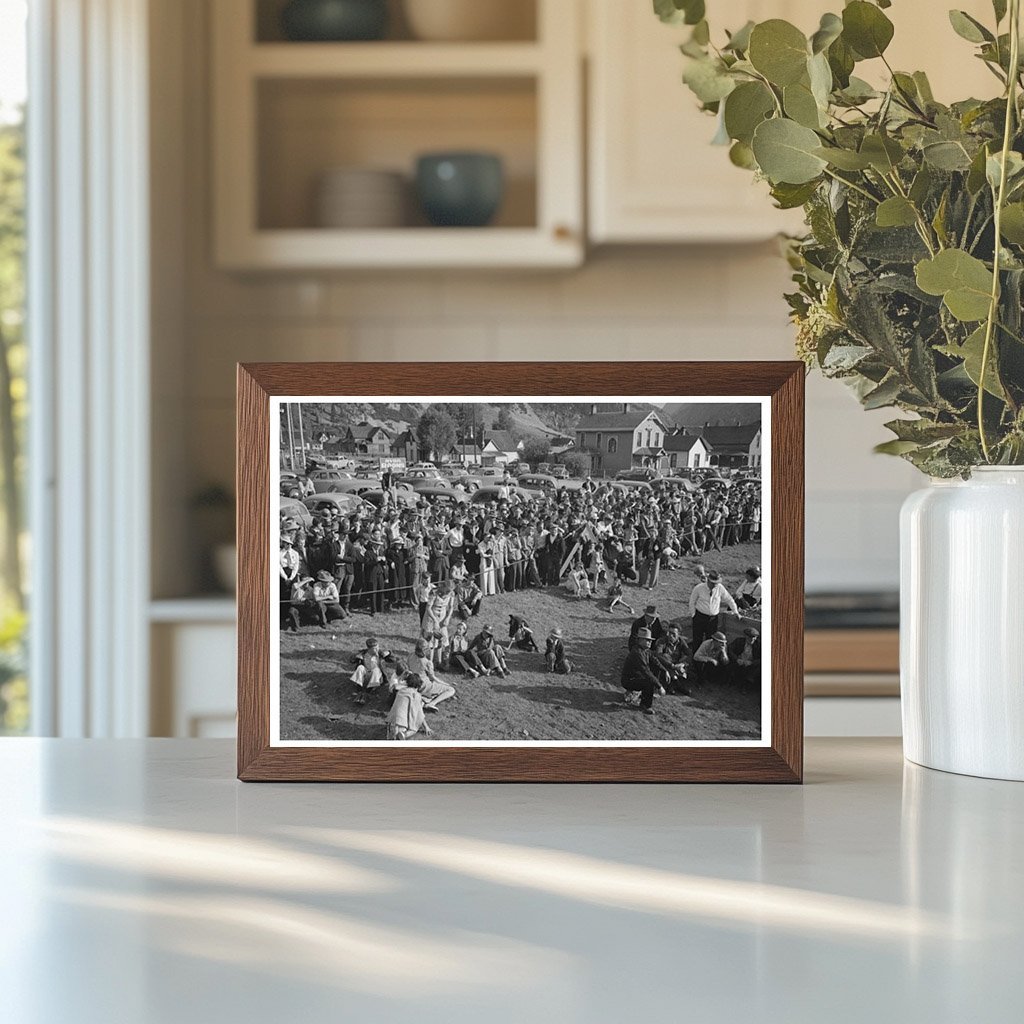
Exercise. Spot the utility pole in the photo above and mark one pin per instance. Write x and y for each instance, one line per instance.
(291, 437)
(302, 440)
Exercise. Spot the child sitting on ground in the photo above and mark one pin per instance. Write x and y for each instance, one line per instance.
(578, 583)
(432, 689)
(554, 654)
(520, 635)
(490, 654)
(406, 718)
(615, 598)
(368, 675)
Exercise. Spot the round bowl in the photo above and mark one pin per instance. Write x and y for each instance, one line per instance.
(460, 189)
(469, 20)
(332, 21)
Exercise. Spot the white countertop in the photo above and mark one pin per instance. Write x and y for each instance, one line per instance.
(143, 885)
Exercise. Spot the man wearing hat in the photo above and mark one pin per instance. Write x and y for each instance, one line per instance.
(325, 598)
(289, 574)
(706, 602)
(745, 657)
(711, 662)
(554, 654)
(748, 593)
(649, 621)
(488, 653)
(637, 675)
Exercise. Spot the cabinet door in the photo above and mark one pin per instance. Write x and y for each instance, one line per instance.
(653, 174)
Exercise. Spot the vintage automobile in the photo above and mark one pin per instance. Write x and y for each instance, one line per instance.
(635, 485)
(486, 494)
(539, 482)
(645, 473)
(439, 491)
(344, 503)
(469, 481)
(406, 498)
(292, 507)
(674, 481)
(327, 479)
(291, 486)
(410, 476)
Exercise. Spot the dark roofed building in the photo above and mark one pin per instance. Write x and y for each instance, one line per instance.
(622, 438)
(687, 451)
(734, 446)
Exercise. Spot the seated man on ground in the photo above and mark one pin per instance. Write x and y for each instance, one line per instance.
(554, 654)
(637, 675)
(488, 653)
(745, 657)
(406, 718)
(670, 655)
(711, 662)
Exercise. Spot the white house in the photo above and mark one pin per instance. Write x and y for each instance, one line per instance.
(686, 451)
(500, 448)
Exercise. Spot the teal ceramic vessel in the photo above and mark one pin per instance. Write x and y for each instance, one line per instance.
(462, 190)
(333, 21)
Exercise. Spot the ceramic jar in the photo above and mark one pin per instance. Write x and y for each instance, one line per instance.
(962, 624)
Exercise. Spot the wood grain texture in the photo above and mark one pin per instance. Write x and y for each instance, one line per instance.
(421, 762)
(852, 650)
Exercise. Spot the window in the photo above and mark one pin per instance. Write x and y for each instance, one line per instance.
(598, 440)
(613, 445)
(14, 704)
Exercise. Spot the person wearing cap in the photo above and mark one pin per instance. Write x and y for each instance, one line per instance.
(706, 602)
(554, 654)
(711, 661)
(488, 653)
(520, 634)
(748, 593)
(649, 621)
(615, 598)
(325, 599)
(637, 674)
(406, 718)
(669, 655)
(300, 601)
(745, 657)
(459, 653)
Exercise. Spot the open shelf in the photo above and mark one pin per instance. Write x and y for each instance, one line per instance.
(288, 113)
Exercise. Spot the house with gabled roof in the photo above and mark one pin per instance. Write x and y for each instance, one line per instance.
(368, 439)
(623, 438)
(499, 448)
(734, 447)
(687, 451)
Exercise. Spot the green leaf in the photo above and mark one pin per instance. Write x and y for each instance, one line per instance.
(883, 153)
(741, 155)
(778, 50)
(1014, 169)
(971, 352)
(841, 60)
(789, 197)
(739, 41)
(708, 80)
(866, 29)
(896, 212)
(785, 152)
(999, 7)
(679, 12)
(830, 28)
(896, 447)
(923, 431)
(921, 185)
(800, 105)
(885, 394)
(969, 28)
(745, 108)
(924, 87)
(946, 156)
(844, 159)
(1012, 225)
(963, 281)
(976, 174)
(701, 33)
(820, 77)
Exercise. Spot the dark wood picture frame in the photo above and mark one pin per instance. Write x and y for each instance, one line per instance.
(780, 761)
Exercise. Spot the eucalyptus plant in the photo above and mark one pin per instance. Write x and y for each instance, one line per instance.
(909, 280)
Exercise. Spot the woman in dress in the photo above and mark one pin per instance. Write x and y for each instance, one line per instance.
(485, 552)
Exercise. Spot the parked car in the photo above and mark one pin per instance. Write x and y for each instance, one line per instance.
(488, 493)
(645, 473)
(291, 486)
(470, 481)
(327, 479)
(404, 497)
(559, 472)
(493, 471)
(345, 503)
(634, 485)
(539, 482)
(297, 510)
(420, 473)
(674, 481)
(439, 491)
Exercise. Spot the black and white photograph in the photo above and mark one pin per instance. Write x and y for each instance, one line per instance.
(520, 571)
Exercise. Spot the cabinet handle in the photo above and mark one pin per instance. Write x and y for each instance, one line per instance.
(563, 232)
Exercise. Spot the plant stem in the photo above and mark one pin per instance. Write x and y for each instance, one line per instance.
(855, 187)
(993, 309)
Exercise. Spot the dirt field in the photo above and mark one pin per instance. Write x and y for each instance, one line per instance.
(317, 695)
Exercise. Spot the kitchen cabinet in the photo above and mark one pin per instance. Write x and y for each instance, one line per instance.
(286, 113)
(653, 175)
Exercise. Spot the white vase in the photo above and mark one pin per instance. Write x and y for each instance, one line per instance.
(962, 624)
(470, 20)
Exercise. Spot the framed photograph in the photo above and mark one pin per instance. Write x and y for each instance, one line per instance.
(519, 572)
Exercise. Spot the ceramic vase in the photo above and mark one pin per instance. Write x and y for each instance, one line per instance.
(962, 624)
